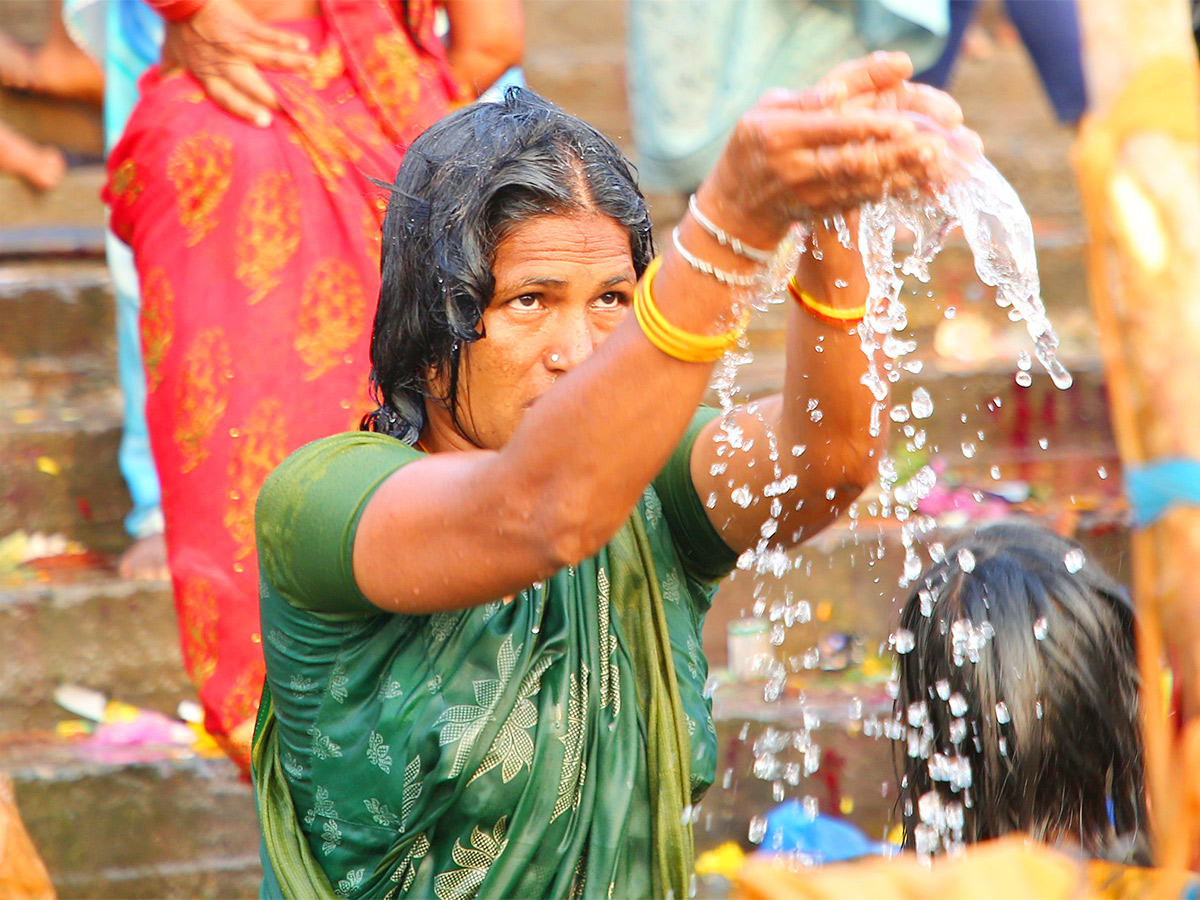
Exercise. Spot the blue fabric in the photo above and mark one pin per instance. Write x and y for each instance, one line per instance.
(792, 830)
(134, 456)
(1050, 32)
(125, 38)
(1154, 488)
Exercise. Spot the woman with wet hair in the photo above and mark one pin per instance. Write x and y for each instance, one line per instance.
(481, 614)
(1019, 699)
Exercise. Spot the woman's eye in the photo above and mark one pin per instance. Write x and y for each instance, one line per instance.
(611, 300)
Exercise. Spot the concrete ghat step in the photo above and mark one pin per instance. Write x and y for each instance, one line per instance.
(136, 822)
(55, 307)
(89, 628)
(60, 471)
(67, 219)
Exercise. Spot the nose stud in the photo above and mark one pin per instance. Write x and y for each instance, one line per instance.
(554, 357)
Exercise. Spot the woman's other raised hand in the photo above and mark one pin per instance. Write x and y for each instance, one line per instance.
(862, 131)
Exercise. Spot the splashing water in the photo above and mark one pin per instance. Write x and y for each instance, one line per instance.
(1074, 560)
(1000, 236)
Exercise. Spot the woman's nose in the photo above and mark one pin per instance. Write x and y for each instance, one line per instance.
(572, 344)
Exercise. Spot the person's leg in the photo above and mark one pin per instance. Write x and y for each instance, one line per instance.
(60, 68)
(42, 167)
(1050, 31)
(147, 557)
(961, 14)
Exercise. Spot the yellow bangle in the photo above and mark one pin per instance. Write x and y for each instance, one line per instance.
(672, 340)
(823, 311)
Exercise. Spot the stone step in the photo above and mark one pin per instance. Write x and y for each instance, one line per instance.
(66, 220)
(86, 626)
(61, 472)
(55, 307)
(72, 125)
(135, 822)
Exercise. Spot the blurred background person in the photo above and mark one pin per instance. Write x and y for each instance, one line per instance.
(125, 39)
(1049, 30)
(56, 68)
(256, 241)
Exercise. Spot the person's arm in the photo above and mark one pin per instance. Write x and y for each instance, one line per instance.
(463, 528)
(486, 39)
(823, 413)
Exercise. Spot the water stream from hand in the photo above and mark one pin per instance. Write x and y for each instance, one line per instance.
(1000, 235)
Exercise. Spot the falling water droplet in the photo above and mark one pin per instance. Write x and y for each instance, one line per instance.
(1102, 472)
(958, 704)
(1074, 560)
(917, 713)
(966, 560)
(1043, 443)
(922, 404)
(1002, 715)
(1024, 379)
(943, 688)
(1024, 363)
(994, 471)
(903, 640)
(758, 829)
(1041, 628)
(968, 449)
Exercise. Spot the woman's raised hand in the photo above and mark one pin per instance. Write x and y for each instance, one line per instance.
(861, 131)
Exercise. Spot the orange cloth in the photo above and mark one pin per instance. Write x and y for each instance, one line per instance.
(23, 875)
(258, 255)
(1004, 869)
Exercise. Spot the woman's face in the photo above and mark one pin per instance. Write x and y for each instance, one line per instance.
(563, 283)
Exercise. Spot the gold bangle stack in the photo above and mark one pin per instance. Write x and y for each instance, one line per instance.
(672, 340)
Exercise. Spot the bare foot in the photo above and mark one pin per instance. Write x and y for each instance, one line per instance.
(977, 43)
(42, 167)
(16, 64)
(145, 560)
(59, 68)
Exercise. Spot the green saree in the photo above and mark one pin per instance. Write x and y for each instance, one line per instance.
(550, 746)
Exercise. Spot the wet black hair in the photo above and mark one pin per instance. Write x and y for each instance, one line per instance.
(463, 183)
(1040, 663)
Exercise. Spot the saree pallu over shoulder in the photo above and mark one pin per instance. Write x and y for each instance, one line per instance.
(257, 252)
(545, 747)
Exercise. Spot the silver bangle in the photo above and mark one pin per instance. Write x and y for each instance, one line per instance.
(729, 279)
(724, 238)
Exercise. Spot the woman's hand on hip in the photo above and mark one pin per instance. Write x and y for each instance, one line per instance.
(223, 46)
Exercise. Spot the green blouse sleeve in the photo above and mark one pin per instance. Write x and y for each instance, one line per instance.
(704, 553)
(308, 512)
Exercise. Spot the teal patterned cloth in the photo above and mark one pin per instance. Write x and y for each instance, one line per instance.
(543, 747)
(694, 66)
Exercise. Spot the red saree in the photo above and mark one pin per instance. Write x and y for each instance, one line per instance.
(258, 256)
